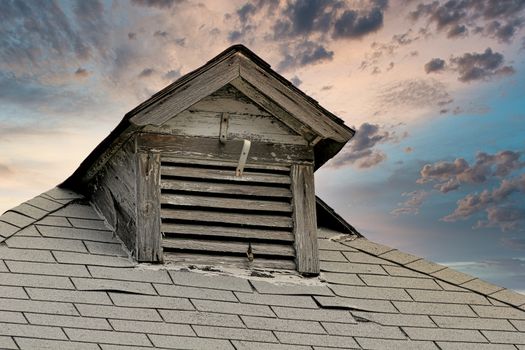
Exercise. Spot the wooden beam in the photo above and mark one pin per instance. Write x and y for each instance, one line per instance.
(304, 219)
(148, 247)
(189, 93)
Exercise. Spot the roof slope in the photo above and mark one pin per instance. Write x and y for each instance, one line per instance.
(67, 283)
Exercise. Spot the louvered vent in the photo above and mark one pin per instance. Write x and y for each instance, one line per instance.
(209, 214)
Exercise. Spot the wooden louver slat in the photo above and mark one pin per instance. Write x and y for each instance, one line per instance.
(208, 211)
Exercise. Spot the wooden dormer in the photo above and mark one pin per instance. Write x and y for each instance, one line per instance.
(217, 168)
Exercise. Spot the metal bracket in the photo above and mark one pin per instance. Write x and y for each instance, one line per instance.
(242, 159)
(223, 133)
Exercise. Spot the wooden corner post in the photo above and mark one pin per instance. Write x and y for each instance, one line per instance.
(148, 247)
(304, 217)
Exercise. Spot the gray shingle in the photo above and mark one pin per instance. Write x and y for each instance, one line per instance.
(91, 259)
(474, 346)
(364, 329)
(132, 300)
(467, 335)
(210, 281)
(89, 224)
(505, 337)
(130, 274)
(32, 343)
(399, 282)
(326, 244)
(46, 307)
(248, 345)
(57, 221)
(12, 317)
(357, 304)
(342, 278)
(403, 272)
(425, 266)
(152, 327)
(331, 255)
(29, 231)
(386, 319)
(6, 229)
(520, 325)
(201, 318)
(235, 333)
(3, 267)
(12, 292)
(110, 337)
(352, 268)
(313, 314)
(452, 276)
(480, 286)
(26, 280)
(77, 211)
(45, 204)
(365, 258)
(179, 342)
(399, 257)
(60, 193)
(7, 343)
(76, 233)
(316, 339)
(509, 296)
(195, 292)
(366, 292)
(448, 297)
(126, 313)
(388, 344)
(443, 309)
(114, 249)
(73, 296)
(25, 254)
(450, 287)
(48, 268)
(46, 243)
(368, 246)
(264, 287)
(277, 300)
(472, 323)
(276, 324)
(499, 312)
(233, 308)
(30, 211)
(16, 219)
(27, 330)
(113, 285)
(68, 321)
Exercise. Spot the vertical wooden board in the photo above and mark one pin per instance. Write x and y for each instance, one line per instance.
(148, 247)
(304, 219)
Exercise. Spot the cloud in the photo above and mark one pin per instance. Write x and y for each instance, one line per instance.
(412, 204)
(296, 81)
(302, 54)
(132, 36)
(408, 149)
(146, 72)
(360, 151)
(351, 24)
(172, 74)
(448, 176)
(81, 73)
(161, 34)
(499, 19)
(4, 169)
(419, 93)
(480, 66)
(159, 4)
(506, 218)
(435, 65)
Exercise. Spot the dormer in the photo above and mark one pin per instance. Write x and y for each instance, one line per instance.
(217, 168)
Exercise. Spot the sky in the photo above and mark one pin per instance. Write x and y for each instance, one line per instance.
(435, 90)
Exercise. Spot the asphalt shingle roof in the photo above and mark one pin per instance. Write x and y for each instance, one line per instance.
(66, 282)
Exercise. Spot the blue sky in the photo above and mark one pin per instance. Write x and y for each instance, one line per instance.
(435, 89)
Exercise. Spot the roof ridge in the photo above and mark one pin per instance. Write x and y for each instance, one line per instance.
(437, 271)
(31, 211)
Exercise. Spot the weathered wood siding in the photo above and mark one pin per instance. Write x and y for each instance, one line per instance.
(246, 120)
(113, 192)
